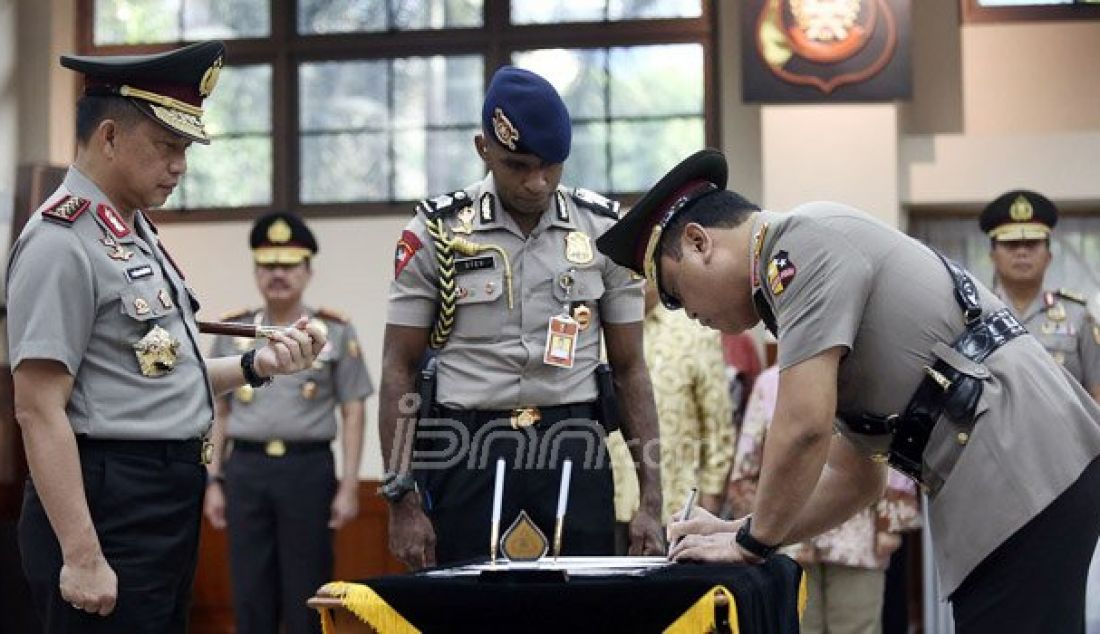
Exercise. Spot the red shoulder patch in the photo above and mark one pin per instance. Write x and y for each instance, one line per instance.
(407, 247)
(113, 221)
(67, 209)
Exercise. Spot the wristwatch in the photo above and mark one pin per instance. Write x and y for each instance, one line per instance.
(248, 367)
(396, 485)
(745, 540)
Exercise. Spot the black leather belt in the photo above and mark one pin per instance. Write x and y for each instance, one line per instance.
(519, 417)
(944, 389)
(190, 450)
(277, 448)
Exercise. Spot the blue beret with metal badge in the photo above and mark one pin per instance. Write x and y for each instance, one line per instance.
(526, 115)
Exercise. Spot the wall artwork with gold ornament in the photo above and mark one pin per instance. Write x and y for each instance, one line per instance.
(806, 51)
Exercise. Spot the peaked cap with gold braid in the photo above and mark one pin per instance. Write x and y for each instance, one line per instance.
(281, 237)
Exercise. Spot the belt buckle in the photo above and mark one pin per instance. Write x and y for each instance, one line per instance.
(275, 448)
(206, 456)
(525, 417)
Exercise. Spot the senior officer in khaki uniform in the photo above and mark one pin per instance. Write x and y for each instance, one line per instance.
(507, 272)
(1019, 225)
(278, 490)
(925, 368)
(111, 391)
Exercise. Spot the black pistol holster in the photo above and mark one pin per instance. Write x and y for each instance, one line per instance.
(607, 404)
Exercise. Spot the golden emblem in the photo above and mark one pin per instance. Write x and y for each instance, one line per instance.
(279, 232)
(118, 253)
(582, 314)
(1021, 210)
(880, 457)
(353, 349)
(275, 448)
(525, 417)
(141, 307)
(505, 132)
(207, 452)
(465, 220)
(309, 390)
(523, 541)
(962, 437)
(826, 21)
(1060, 357)
(164, 299)
(210, 77)
(156, 352)
(1056, 312)
(578, 248)
(245, 393)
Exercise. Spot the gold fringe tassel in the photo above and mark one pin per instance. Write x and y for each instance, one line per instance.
(367, 605)
(700, 617)
(803, 595)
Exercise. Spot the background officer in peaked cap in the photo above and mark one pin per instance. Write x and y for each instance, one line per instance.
(112, 394)
(502, 280)
(1019, 225)
(916, 363)
(277, 489)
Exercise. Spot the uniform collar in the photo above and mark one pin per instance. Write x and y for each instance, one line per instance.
(563, 211)
(490, 214)
(106, 216)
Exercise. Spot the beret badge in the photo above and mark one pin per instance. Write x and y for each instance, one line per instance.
(505, 132)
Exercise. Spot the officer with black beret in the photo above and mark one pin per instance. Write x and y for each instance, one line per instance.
(112, 393)
(914, 363)
(276, 489)
(502, 281)
(1019, 224)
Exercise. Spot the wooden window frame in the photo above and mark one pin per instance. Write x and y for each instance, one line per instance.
(495, 41)
(973, 12)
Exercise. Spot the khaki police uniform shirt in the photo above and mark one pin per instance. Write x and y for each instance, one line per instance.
(302, 406)
(80, 294)
(494, 358)
(1067, 330)
(834, 276)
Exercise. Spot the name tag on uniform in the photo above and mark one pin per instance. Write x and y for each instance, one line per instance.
(561, 341)
(139, 272)
(474, 264)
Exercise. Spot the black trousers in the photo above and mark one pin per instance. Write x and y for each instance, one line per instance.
(280, 545)
(1035, 581)
(457, 480)
(146, 510)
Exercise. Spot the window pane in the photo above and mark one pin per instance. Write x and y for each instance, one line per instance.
(235, 170)
(1020, 3)
(230, 172)
(587, 162)
(553, 11)
(346, 16)
(580, 75)
(345, 167)
(437, 91)
(649, 9)
(431, 162)
(416, 116)
(137, 21)
(344, 95)
(641, 151)
(241, 102)
(656, 80)
(226, 19)
(436, 14)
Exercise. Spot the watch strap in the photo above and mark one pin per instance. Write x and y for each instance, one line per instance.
(745, 540)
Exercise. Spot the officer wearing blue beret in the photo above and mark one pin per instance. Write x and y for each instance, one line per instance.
(112, 393)
(502, 282)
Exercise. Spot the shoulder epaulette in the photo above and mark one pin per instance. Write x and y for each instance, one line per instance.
(332, 315)
(230, 315)
(67, 209)
(444, 205)
(1072, 296)
(592, 201)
